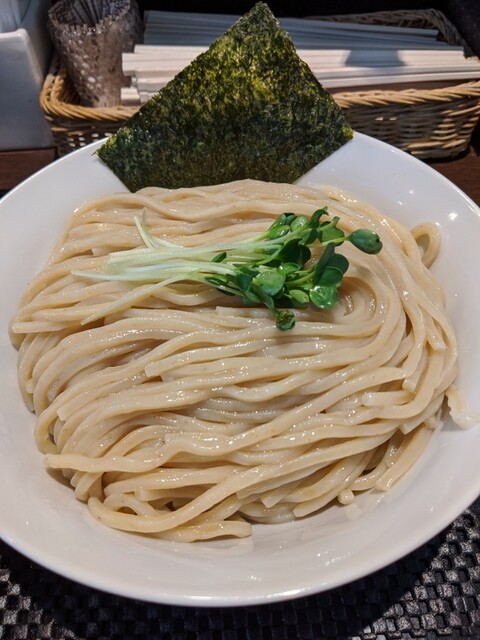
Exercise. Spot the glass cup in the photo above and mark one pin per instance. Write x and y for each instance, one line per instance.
(90, 37)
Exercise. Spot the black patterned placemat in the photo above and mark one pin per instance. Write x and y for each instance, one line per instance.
(432, 593)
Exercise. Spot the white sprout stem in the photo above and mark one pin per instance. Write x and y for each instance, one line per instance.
(181, 270)
(158, 250)
(151, 254)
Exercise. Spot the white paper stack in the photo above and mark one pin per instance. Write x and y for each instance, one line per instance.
(341, 55)
(25, 51)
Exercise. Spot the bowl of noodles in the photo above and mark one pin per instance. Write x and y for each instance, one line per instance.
(171, 444)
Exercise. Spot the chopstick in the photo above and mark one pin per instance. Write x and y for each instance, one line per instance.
(340, 54)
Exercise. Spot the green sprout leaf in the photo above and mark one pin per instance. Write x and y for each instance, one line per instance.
(270, 281)
(365, 240)
(285, 320)
(324, 297)
(299, 298)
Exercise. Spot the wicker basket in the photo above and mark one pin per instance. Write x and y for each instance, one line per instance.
(429, 123)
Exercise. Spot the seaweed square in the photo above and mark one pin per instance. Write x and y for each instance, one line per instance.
(248, 107)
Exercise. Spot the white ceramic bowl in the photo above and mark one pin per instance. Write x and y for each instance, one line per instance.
(41, 518)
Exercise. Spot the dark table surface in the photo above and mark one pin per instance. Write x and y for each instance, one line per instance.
(432, 593)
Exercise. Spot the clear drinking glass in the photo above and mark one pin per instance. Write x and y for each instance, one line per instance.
(90, 37)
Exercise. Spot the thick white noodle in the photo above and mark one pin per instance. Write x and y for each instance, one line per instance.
(184, 415)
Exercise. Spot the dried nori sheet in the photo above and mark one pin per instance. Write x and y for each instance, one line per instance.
(248, 107)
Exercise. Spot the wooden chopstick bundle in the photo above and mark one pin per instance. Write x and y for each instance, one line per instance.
(340, 54)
